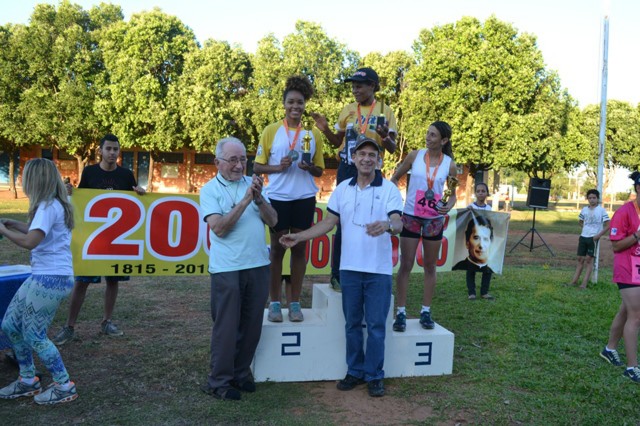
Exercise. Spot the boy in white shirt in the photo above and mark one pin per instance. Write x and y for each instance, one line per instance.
(595, 223)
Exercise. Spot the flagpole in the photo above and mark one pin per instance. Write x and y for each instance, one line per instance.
(603, 128)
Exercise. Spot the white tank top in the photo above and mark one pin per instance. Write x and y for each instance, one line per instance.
(418, 183)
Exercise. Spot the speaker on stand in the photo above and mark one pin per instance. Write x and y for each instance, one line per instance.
(537, 198)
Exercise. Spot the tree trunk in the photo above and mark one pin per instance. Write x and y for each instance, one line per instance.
(12, 172)
(151, 166)
(188, 173)
(81, 164)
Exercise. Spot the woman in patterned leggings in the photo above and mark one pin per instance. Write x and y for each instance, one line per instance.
(48, 235)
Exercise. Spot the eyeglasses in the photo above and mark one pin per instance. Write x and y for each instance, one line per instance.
(234, 160)
(357, 204)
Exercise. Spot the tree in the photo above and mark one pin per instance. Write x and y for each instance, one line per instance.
(64, 63)
(622, 137)
(144, 58)
(14, 80)
(209, 95)
(484, 79)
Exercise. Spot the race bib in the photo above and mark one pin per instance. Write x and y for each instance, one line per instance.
(424, 207)
(635, 269)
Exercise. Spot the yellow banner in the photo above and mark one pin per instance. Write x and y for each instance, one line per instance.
(121, 233)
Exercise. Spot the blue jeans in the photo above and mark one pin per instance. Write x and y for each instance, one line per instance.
(365, 295)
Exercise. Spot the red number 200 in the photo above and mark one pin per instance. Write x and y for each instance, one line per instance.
(172, 231)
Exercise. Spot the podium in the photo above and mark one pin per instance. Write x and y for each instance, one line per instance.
(315, 349)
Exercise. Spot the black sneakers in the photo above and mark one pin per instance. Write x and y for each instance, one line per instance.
(349, 382)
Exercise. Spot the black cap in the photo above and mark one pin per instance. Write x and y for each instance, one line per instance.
(366, 141)
(364, 74)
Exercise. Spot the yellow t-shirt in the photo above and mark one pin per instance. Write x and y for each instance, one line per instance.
(348, 115)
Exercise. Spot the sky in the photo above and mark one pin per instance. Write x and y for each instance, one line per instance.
(569, 32)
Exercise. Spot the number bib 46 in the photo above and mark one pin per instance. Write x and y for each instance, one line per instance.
(424, 207)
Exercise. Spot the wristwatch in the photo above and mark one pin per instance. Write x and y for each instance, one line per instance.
(390, 228)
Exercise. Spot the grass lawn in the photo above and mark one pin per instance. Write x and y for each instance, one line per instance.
(529, 357)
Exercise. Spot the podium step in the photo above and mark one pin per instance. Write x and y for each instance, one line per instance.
(314, 349)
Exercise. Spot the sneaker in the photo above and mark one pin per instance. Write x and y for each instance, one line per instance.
(611, 357)
(376, 387)
(19, 388)
(633, 374)
(335, 285)
(275, 313)
(472, 297)
(66, 334)
(400, 324)
(488, 297)
(295, 312)
(55, 395)
(349, 382)
(110, 329)
(426, 321)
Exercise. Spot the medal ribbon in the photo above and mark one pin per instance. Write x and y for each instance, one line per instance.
(292, 144)
(363, 126)
(431, 179)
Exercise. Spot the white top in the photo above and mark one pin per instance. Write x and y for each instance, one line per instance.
(477, 207)
(245, 245)
(418, 183)
(53, 255)
(294, 183)
(593, 219)
(355, 207)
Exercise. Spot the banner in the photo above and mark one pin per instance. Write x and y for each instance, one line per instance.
(122, 233)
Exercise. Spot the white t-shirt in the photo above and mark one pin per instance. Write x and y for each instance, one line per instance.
(356, 207)
(486, 207)
(53, 255)
(593, 219)
(294, 183)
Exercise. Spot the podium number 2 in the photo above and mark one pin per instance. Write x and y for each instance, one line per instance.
(287, 347)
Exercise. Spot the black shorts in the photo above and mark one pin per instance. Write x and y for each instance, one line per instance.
(623, 286)
(296, 214)
(587, 246)
(430, 229)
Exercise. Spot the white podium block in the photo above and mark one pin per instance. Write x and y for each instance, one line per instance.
(315, 348)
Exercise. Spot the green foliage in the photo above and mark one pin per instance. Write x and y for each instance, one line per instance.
(144, 58)
(622, 135)
(490, 84)
(209, 95)
(72, 74)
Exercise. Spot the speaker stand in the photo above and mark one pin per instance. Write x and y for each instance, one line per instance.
(533, 232)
